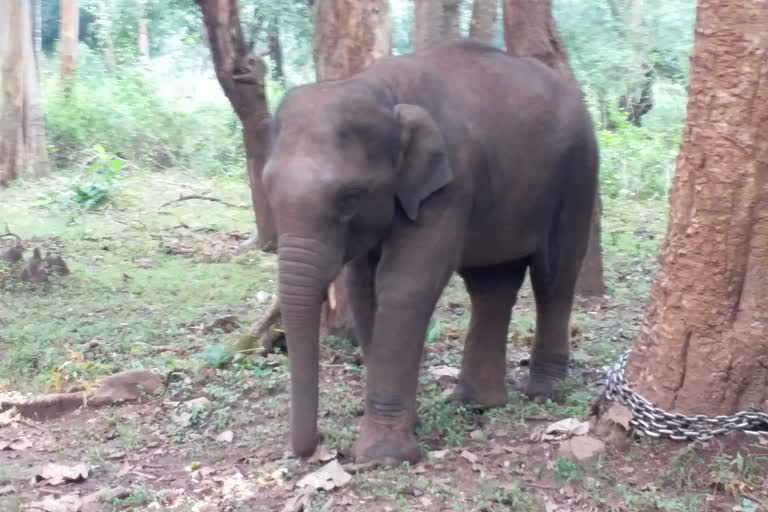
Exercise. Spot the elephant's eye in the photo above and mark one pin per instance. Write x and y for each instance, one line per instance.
(349, 202)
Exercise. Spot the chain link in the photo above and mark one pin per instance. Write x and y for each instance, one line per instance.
(654, 422)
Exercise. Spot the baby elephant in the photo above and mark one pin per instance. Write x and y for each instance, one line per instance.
(459, 158)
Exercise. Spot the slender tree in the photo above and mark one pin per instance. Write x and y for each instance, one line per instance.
(68, 37)
(242, 75)
(275, 48)
(348, 36)
(530, 31)
(22, 133)
(37, 33)
(703, 346)
(142, 36)
(483, 24)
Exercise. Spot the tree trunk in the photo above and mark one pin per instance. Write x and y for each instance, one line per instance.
(70, 27)
(703, 346)
(37, 33)
(276, 49)
(348, 36)
(427, 23)
(22, 134)
(101, 29)
(530, 31)
(142, 39)
(483, 24)
(242, 74)
(451, 27)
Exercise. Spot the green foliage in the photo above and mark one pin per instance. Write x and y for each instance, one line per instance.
(103, 172)
(433, 329)
(636, 162)
(216, 356)
(129, 111)
(567, 469)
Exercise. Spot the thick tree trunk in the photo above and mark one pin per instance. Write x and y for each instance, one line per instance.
(37, 33)
(427, 23)
(435, 21)
(242, 74)
(451, 27)
(348, 36)
(703, 347)
(70, 27)
(530, 31)
(483, 24)
(22, 134)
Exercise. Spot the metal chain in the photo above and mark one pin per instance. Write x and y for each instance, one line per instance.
(654, 422)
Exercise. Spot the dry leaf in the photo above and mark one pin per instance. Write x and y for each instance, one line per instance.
(301, 502)
(226, 436)
(444, 371)
(471, 457)
(328, 477)
(19, 444)
(619, 414)
(322, 454)
(438, 454)
(56, 474)
(9, 416)
(476, 435)
(564, 429)
(67, 503)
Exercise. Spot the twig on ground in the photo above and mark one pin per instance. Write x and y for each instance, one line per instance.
(205, 198)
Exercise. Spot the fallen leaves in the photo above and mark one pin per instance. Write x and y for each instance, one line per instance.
(328, 477)
(561, 430)
(225, 437)
(18, 444)
(57, 474)
(66, 503)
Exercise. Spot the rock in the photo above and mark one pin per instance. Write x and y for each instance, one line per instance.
(225, 437)
(581, 447)
(127, 385)
(262, 297)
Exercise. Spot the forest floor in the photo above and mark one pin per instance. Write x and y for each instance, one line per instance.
(215, 436)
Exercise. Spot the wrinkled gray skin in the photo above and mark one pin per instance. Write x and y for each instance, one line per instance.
(459, 158)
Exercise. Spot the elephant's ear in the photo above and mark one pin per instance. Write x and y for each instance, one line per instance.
(423, 165)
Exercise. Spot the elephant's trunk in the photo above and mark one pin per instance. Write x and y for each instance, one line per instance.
(305, 273)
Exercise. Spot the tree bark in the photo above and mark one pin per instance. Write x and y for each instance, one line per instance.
(451, 27)
(22, 134)
(37, 33)
(703, 346)
(483, 24)
(530, 31)
(242, 74)
(348, 36)
(70, 27)
(427, 23)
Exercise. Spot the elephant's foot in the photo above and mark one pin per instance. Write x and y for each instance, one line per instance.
(385, 443)
(540, 385)
(487, 398)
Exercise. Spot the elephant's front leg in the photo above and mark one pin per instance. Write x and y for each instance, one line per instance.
(405, 296)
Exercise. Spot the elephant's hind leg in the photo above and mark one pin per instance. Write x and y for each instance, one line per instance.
(493, 292)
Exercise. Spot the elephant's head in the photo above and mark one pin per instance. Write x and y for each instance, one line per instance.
(343, 168)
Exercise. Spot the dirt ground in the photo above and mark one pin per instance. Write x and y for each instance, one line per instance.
(214, 436)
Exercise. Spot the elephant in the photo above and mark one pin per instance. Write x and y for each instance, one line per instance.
(459, 158)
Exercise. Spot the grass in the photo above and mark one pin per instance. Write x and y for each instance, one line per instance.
(110, 313)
